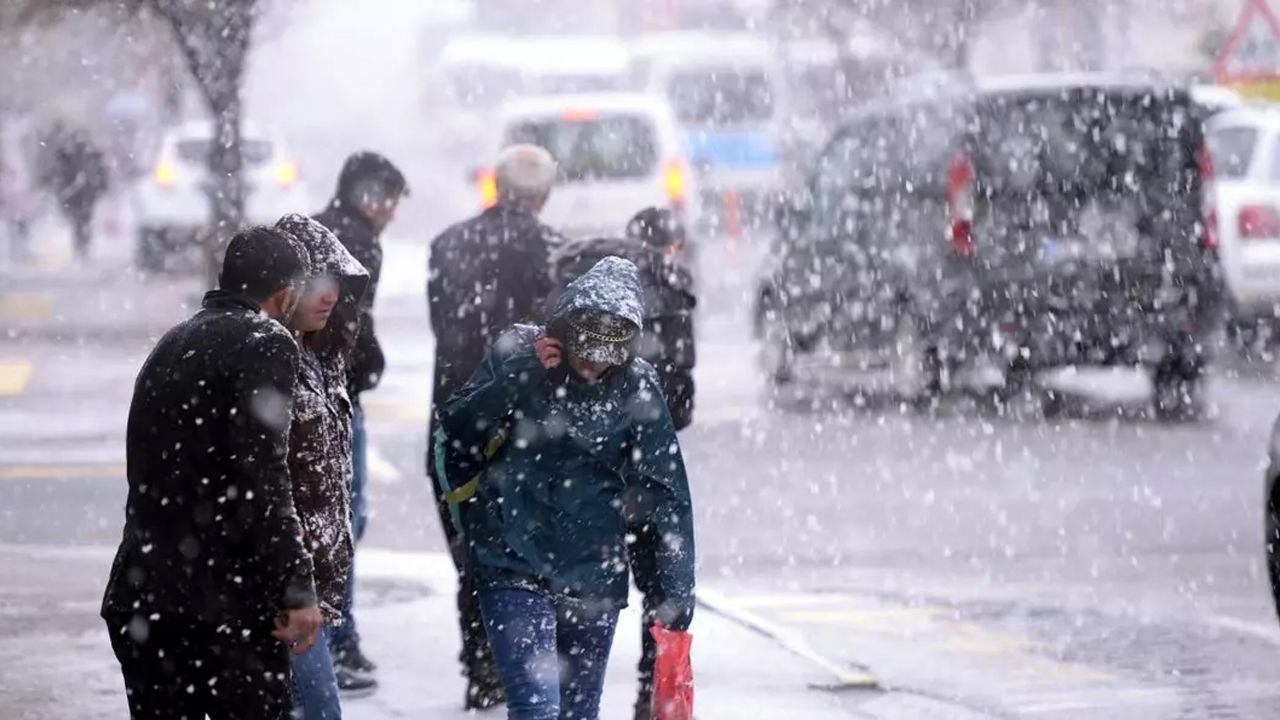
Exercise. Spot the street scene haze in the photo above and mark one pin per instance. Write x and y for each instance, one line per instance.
(639, 359)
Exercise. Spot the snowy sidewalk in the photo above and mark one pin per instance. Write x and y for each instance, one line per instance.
(738, 673)
(56, 663)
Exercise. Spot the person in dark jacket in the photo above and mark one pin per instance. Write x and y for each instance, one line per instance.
(325, 325)
(76, 173)
(486, 274)
(590, 456)
(212, 582)
(369, 190)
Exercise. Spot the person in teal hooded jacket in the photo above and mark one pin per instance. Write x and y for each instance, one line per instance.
(586, 453)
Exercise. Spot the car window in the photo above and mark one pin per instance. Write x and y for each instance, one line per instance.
(1232, 150)
(254, 152)
(721, 97)
(594, 148)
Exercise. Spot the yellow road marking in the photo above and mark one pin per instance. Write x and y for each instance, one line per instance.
(61, 472)
(14, 377)
(26, 306)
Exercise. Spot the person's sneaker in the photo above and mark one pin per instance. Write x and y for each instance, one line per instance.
(353, 684)
(353, 659)
(484, 695)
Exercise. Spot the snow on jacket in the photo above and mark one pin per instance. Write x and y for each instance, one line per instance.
(583, 462)
(320, 435)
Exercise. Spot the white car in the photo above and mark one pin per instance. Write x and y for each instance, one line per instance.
(171, 205)
(1244, 145)
(617, 154)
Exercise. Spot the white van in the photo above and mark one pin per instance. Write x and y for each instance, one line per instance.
(724, 90)
(475, 74)
(617, 153)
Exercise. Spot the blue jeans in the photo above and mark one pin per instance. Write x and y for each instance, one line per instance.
(551, 652)
(315, 688)
(344, 637)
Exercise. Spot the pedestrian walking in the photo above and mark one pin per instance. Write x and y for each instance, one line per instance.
(369, 190)
(486, 274)
(654, 240)
(325, 326)
(587, 454)
(75, 171)
(212, 582)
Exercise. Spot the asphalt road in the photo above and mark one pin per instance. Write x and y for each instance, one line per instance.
(1097, 565)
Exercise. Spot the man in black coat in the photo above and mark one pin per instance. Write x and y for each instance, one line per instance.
(486, 274)
(212, 584)
(369, 190)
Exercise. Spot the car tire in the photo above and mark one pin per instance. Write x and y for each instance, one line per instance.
(1021, 397)
(1177, 386)
(1271, 542)
(915, 368)
(777, 349)
(150, 253)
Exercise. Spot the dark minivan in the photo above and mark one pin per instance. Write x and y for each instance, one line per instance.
(1016, 226)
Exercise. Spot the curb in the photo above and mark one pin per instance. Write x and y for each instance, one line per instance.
(843, 678)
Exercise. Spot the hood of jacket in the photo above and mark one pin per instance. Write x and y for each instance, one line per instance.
(322, 253)
(611, 285)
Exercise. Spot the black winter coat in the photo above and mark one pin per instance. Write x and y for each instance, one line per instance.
(486, 274)
(211, 533)
(360, 239)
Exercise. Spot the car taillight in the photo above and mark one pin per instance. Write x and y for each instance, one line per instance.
(961, 178)
(487, 186)
(1208, 201)
(1259, 221)
(166, 174)
(286, 174)
(674, 182)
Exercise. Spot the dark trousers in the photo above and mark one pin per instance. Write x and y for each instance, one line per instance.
(176, 670)
(476, 656)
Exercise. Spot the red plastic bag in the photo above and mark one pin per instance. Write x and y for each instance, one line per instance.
(672, 675)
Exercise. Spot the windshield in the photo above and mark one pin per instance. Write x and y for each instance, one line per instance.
(604, 148)
(254, 152)
(1232, 151)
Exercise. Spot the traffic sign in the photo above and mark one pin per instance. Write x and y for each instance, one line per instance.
(1251, 52)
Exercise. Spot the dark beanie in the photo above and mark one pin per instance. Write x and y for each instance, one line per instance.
(260, 261)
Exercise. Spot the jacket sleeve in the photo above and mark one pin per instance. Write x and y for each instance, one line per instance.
(368, 362)
(492, 392)
(259, 441)
(659, 509)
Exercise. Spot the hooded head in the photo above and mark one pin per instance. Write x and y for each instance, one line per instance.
(325, 258)
(368, 182)
(600, 313)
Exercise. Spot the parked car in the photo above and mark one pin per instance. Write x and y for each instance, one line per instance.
(616, 152)
(172, 207)
(1015, 225)
(1245, 146)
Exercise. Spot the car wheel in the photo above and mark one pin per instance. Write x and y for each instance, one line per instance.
(1177, 390)
(915, 370)
(777, 349)
(1272, 545)
(150, 250)
(1021, 397)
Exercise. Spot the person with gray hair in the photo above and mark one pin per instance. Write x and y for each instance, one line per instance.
(485, 275)
(525, 174)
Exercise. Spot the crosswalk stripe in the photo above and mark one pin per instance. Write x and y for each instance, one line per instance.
(14, 377)
(61, 472)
